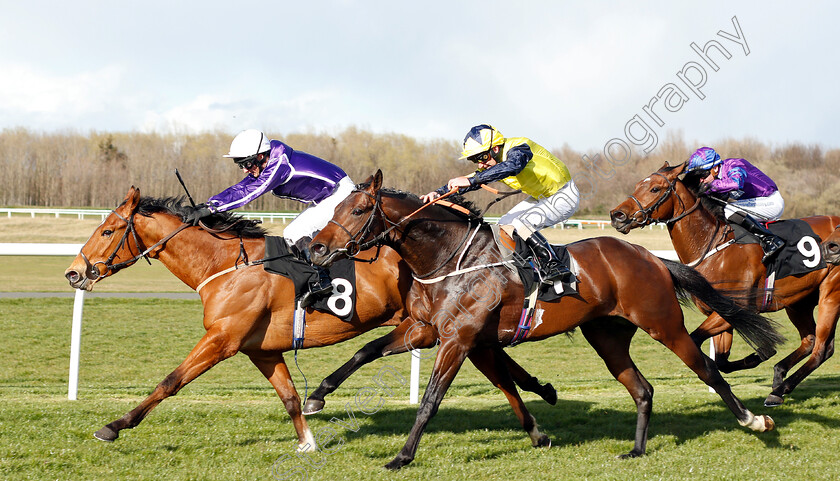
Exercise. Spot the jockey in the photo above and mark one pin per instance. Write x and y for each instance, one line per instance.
(272, 166)
(752, 196)
(524, 165)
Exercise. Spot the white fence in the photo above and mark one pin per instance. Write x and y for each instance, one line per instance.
(283, 217)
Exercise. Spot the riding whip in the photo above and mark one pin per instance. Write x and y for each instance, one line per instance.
(178, 174)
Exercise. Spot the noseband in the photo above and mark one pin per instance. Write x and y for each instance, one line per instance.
(647, 219)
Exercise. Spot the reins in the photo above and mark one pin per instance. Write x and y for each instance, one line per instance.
(648, 219)
(354, 245)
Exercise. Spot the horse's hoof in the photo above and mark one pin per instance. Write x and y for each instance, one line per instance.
(549, 394)
(773, 401)
(630, 455)
(397, 463)
(106, 434)
(313, 406)
(543, 442)
(769, 424)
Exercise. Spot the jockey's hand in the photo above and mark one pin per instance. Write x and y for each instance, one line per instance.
(704, 187)
(458, 182)
(429, 197)
(200, 212)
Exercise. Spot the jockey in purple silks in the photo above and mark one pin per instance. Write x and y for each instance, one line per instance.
(752, 196)
(272, 166)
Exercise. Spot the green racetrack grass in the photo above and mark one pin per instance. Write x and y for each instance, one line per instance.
(229, 423)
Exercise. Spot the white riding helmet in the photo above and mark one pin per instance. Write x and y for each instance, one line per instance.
(248, 143)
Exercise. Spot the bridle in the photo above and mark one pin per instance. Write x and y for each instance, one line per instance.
(647, 219)
(356, 243)
(93, 272)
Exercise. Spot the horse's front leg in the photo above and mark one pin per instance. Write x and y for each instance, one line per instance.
(274, 368)
(493, 363)
(215, 346)
(448, 362)
(410, 334)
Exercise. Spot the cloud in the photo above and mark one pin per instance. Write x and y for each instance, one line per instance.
(35, 97)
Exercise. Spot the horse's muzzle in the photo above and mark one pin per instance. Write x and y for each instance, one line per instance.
(831, 252)
(321, 255)
(620, 221)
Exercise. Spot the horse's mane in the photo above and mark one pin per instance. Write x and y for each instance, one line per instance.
(247, 228)
(454, 198)
(691, 181)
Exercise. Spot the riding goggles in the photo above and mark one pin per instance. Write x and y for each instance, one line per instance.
(482, 157)
(247, 162)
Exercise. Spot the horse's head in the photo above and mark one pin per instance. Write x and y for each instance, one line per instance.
(112, 246)
(653, 200)
(831, 247)
(357, 222)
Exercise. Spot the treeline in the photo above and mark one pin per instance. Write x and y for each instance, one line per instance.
(95, 170)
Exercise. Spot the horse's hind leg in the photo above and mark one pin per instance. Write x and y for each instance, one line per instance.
(822, 350)
(611, 340)
(214, 347)
(492, 363)
(720, 331)
(274, 368)
(678, 341)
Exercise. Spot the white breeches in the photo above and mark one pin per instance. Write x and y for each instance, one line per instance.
(762, 208)
(316, 217)
(532, 214)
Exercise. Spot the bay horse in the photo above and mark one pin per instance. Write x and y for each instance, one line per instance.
(702, 239)
(474, 305)
(247, 310)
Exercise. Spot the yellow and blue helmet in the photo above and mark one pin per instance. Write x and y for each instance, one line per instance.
(480, 139)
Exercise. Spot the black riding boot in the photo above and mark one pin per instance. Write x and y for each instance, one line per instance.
(321, 286)
(317, 289)
(770, 242)
(549, 267)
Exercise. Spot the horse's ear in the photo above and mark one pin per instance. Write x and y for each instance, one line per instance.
(665, 166)
(377, 180)
(132, 198)
(679, 169)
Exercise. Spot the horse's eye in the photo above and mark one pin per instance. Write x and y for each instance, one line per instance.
(357, 211)
(655, 189)
(107, 232)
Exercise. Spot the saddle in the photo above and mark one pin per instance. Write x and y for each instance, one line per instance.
(801, 253)
(282, 261)
(518, 255)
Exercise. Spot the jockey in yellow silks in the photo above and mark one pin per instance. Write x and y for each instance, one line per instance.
(524, 165)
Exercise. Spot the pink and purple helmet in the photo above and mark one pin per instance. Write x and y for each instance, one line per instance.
(703, 159)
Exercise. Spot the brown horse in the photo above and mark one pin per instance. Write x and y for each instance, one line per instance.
(247, 309)
(622, 287)
(697, 233)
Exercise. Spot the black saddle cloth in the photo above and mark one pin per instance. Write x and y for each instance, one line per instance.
(280, 260)
(528, 272)
(801, 253)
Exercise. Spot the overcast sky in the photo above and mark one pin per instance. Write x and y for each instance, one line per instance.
(557, 72)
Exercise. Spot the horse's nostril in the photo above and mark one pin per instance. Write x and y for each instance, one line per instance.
(833, 247)
(72, 276)
(318, 248)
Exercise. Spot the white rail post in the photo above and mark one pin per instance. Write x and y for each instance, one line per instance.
(75, 341)
(414, 389)
(712, 355)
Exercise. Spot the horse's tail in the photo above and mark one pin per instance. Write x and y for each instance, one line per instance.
(759, 332)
